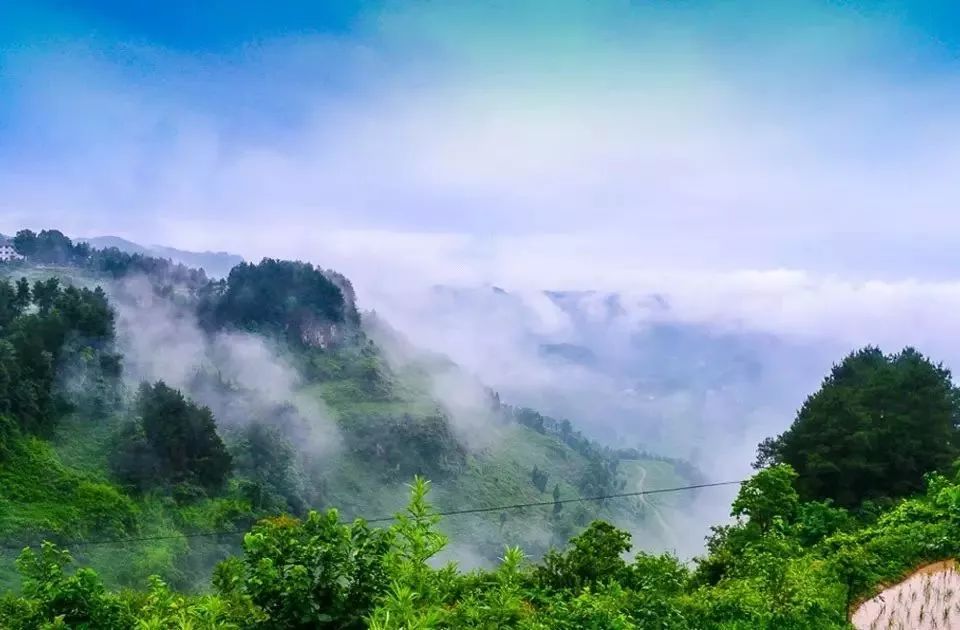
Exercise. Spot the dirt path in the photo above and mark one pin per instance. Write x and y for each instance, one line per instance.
(647, 505)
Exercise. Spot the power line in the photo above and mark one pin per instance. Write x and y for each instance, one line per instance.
(478, 510)
(514, 506)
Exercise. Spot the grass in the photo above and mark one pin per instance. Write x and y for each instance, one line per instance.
(39, 495)
(68, 275)
(501, 474)
(496, 473)
(60, 490)
(347, 399)
(85, 444)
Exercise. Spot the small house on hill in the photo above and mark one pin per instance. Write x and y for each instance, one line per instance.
(7, 251)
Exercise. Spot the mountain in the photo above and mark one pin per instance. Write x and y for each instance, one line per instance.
(215, 264)
(315, 404)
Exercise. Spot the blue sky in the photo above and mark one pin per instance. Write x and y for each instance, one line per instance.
(493, 140)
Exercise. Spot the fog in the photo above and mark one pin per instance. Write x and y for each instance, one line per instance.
(700, 367)
(696, 367)
(238, 375)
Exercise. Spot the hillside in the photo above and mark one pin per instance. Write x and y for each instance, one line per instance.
(312, 410)
(631, 368)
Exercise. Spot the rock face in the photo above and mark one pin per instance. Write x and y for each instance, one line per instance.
(318, 334)
(928, 599)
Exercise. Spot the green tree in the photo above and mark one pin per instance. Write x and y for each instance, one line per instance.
(315, 573)
(876, 426)
(268, 461)
(595, 556)
(45, 294)
(9, 306)
(766, 496)
(50, 246)
(53, 599)
(539, 479)
(25, 242)
(292, 299)
(182, 437)
(24, 296)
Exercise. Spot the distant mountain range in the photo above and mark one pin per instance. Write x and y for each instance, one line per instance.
(629, 369)
(216, 264)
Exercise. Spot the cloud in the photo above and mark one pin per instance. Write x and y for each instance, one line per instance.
(246, 379)
(782, 170)
(446, 135)
(781, 174)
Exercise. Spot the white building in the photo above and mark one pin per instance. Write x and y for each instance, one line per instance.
(8, 252)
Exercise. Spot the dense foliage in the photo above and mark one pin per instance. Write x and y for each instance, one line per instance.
(41, 327)
(53, 248)
(876, 426)
(293, 299)
(172, 441)
(782, 564)
(49, 246)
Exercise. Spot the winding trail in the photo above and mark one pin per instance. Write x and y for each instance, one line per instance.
(668, 531)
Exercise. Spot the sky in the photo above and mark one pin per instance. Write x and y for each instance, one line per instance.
(613, 144)
(787, 167)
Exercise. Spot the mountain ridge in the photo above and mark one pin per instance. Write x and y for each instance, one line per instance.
(217, 264)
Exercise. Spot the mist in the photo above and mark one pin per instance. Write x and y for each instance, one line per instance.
(160, 339)
(702, 371)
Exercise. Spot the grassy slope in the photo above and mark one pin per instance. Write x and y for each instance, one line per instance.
(498, 474)
(67, 275)
(60, 490)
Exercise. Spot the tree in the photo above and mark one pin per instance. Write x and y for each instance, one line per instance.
(595, 556)
(25, 242)
(268, 461)
(182, 436)
(539, 479)
(45, 293)
(50, 246)
(55, 599)
(292, 299)
(766, 496)
(876, 426)
(315, 573)
(9, 307)
(23, 297)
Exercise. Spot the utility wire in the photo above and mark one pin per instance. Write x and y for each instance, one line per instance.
(479, 510)
(514, 506)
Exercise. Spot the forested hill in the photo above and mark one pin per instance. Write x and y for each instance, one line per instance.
(151, 401)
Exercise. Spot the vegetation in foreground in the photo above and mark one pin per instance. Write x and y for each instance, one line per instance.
(783, 564)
